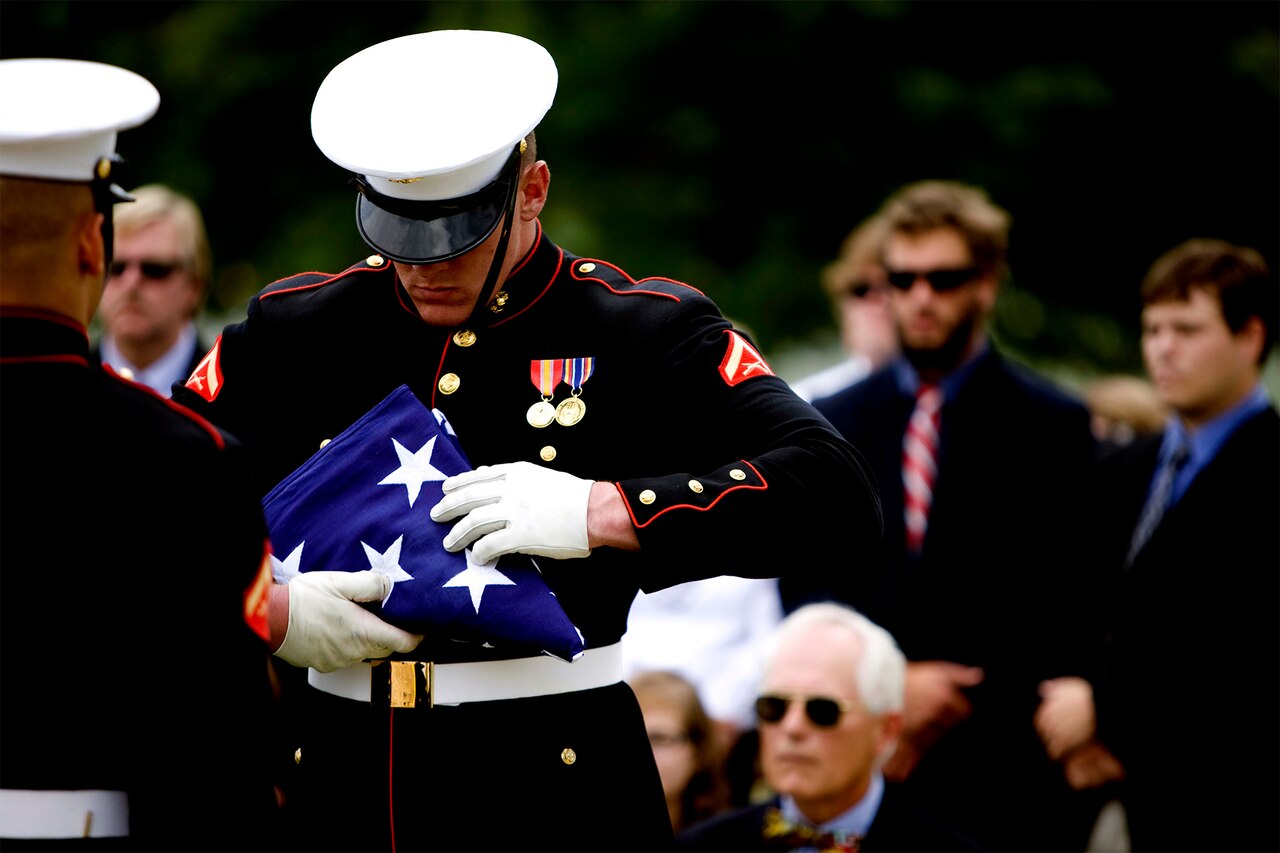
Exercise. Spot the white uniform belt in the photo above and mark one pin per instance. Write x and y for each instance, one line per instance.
(63, 814)
(416, 684)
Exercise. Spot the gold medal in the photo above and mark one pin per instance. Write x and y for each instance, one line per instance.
(540, 414)
(570, 411)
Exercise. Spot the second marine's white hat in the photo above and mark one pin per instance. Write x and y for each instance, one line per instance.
(431, 124)
(59, 118)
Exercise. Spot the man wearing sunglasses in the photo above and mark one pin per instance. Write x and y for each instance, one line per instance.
(981, 466)
(829, 715)
(155, 287)
(624, 432)
(855, 285)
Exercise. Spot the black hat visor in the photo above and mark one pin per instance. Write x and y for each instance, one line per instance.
(427, 232)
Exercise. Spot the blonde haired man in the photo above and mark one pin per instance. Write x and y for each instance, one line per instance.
(155, 288)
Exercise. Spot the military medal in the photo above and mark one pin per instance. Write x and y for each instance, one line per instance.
(545, 374)
(576, 373)
(570, 411)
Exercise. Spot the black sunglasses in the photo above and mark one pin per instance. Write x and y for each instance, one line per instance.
(861, 290)
(940, 280)
(154, 270)
(822, 711)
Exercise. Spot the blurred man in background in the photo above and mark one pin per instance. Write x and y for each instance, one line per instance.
(859, 294)
(1188, 517)
(981, 465)
(155, 287)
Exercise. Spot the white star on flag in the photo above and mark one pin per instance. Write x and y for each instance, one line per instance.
(387, 563)
(476, 576)
(415, 469)
(287, 569)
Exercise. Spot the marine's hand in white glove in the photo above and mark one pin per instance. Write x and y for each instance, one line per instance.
(516, 507)
(329, 630)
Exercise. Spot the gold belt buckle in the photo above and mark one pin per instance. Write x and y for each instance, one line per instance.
(402, 683)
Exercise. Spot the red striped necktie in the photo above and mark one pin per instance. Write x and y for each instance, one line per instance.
(920, 462)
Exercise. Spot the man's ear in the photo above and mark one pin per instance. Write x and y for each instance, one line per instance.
(1252, 336)
(91, 253)
(891, 725)
(534, 184)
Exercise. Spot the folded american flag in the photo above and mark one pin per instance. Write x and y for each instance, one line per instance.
(363, 501)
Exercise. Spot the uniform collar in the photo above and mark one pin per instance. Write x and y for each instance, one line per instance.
(528, 282)
(34, 332)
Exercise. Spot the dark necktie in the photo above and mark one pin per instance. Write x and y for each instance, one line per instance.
(1157, 501)
(779, 830)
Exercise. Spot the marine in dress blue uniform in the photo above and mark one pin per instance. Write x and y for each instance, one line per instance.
(135, 687)
(566, 363)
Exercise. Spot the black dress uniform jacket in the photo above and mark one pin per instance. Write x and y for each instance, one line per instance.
(132, 551)
(1001, 582)
(723, 469)
(897, 826)
(1191, 699)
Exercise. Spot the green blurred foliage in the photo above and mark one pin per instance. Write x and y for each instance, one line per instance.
(732, 145)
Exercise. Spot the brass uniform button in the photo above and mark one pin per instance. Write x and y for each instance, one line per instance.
(695, 487)
(738, 474)
(297, 755)
(324, 441)
(647, 496)
(586, 267)
(464, 337)
(547, 453)
(375, 260)
(449, 383)
(568, 756)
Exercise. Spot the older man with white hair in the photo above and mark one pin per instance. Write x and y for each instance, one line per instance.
(830, 713)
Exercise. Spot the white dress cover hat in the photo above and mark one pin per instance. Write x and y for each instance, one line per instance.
(431, 125)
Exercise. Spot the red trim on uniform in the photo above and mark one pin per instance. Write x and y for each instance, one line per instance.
(391, 799)
(573, 271)
(752, 486)
(30, 312)
(533, 250)
(176, 407)
(330, 278)
(550, 280)
(46, 359)
(255, 596)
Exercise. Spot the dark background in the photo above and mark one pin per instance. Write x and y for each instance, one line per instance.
(733, 145)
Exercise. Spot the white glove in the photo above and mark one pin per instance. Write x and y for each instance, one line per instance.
(328, 630)
(516, 507)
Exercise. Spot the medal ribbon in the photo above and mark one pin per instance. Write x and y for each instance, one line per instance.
(578, 370)
(546, 374)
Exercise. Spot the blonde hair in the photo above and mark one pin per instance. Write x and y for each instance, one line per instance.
(159, 203)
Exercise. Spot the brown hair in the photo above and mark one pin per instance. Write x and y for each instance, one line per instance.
(859, 251)
(1237, 275)
(707, 792)
(927, 205)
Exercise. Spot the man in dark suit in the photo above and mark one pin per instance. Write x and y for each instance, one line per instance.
(830, 712)
(155, 287)
(1190, 517)
(980, 464)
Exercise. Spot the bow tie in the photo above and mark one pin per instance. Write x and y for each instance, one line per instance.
(778, 829)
